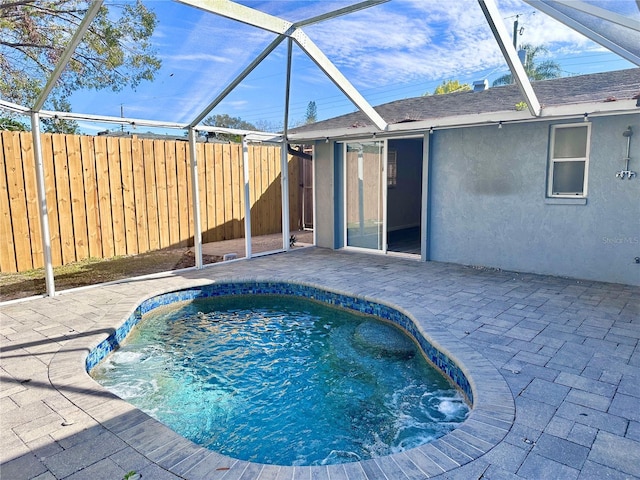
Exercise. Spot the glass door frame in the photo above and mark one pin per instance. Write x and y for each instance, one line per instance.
(382, 200)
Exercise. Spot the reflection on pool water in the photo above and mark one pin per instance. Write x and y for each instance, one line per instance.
(282, 380)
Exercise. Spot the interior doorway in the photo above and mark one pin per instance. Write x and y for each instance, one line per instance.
(404, 195)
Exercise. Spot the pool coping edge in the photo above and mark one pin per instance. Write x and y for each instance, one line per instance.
(488, 422)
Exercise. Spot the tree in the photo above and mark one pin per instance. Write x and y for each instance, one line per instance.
(58, 125)
(450, 86)
(535, 71)
(115, 52)
(312, 113)
(268, 126)
(12, 125)
(226, 121)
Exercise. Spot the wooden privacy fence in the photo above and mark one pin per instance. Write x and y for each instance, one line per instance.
(111, 196)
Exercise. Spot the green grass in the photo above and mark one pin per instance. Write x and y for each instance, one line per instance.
(93, 271)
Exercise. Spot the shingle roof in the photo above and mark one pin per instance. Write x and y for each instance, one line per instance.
(597, 87)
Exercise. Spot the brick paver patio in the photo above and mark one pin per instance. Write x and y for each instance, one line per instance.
(567, 350)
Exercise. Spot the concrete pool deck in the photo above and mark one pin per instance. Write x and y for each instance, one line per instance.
(564, 352)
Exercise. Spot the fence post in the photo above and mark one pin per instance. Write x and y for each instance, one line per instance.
(197, 225)
(42, 205)
(247, 197)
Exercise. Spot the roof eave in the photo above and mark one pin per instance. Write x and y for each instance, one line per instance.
(577, 110)
(619, 107)
(332, 133)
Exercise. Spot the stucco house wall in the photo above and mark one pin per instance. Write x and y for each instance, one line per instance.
(489, 207)
(488, 204)
(484, 190)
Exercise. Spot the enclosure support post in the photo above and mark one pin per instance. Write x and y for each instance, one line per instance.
(247, 197)
(284, 177)
(42, 205)
(197, 226)
(286, 229)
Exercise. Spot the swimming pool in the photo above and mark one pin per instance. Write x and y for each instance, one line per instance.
(283, 380)
(437, 357)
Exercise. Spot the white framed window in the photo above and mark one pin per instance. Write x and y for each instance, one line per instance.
(569, 160)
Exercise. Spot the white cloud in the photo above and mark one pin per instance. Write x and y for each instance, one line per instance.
(421, 40)
(237, 103)
(408, 40)
(197, 57)
(379, 49)
(539, 28)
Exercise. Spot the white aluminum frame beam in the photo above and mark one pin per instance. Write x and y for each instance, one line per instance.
(580, 28)
(250, 16)
(321, 60)
(14, 107)
(255, 136)
(339, 12)
(229, 88)
(501, 34)
(242, 14)
(336, 76)
(602, 13)
(134, 122)
(68, 53)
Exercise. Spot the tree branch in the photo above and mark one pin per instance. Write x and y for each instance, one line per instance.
(34, 59)
(7, 6)
(25, 45)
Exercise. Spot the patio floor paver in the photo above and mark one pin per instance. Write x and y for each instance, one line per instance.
(568, 351)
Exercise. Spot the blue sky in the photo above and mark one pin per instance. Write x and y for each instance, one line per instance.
(396, 50)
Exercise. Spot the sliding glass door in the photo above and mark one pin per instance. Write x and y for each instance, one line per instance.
(365, 204)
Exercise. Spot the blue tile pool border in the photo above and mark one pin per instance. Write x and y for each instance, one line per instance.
(442, 361)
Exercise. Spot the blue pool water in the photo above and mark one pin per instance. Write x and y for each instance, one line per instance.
(282, 380)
